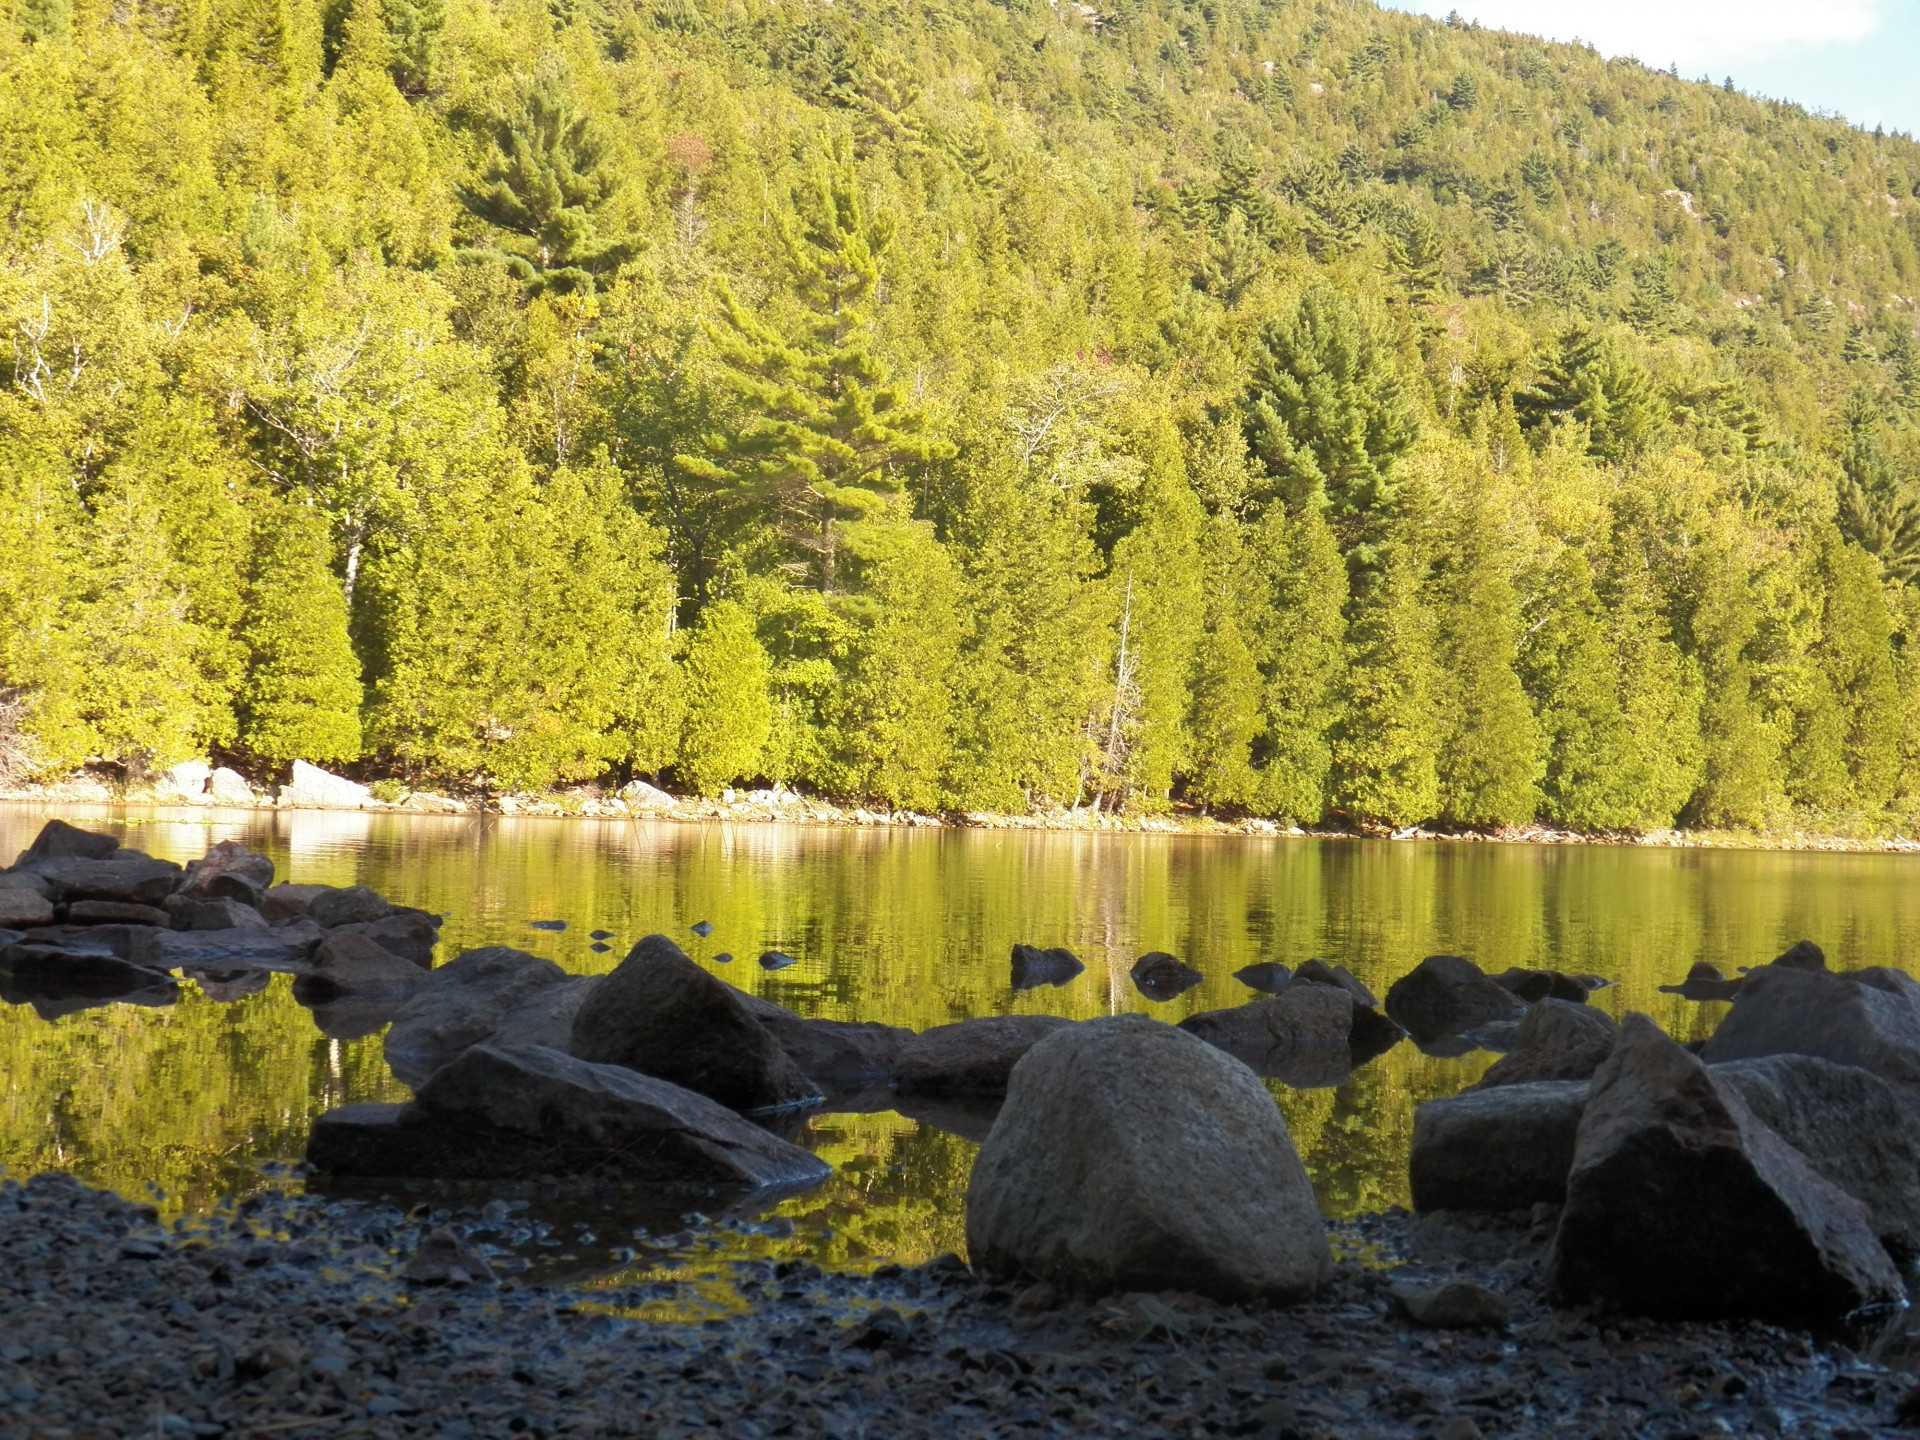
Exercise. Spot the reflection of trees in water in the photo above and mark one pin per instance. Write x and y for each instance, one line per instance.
(912, 928)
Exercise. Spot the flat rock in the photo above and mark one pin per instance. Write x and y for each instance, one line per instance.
(461, 1004)
(115, 912)
(317, 789)
(410, 934)
(970, 1057)
(1450, 1304)
(1869, 1021)
(1496, 1151)
(126, 876)
(21, 908)
(1302, 1036)
(346, 963)
(494, 1113)
(1682, 1203)
(1446, 994)
(281, 947)
(48, 971)
(1132, 1156)
(662, 1015)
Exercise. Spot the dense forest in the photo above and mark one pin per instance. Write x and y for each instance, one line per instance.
(1286, 408)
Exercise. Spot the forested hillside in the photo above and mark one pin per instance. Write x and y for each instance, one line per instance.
(1298, 409)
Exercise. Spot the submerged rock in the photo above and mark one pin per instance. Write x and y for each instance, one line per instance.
(1268, 976)
(1319, 972)
(352, 964)
(661, 1014)
(1446, 994)
(1704, 982)
(1160, 976)
(494, 1113)
(1131, 1156)
(970, 1057)
(280, 947)
(1302, 1036)
(462, 1004)
(1682, 1203)
(832, 1053)
(1534, 985)
(1034, 967)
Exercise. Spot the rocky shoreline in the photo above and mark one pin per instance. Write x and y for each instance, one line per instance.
(296, 1315)
(201, 787)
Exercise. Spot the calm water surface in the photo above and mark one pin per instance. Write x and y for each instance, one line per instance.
(912, 928)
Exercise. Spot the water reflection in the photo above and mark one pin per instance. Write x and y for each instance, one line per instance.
(911, 928)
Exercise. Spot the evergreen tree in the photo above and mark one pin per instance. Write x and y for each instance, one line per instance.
(46, 21)
(822, 432)
(414, 31)
(1845, 754)
(302, 694)
(1590, 381)
(1741, 780)
(552, 181)
(41, 660)
(1387, 736)
(729, 708)
(1490, 762)
(1227, 718)
(1879, 505)
(1327, 414)
(1303, 657)
(1571, 674)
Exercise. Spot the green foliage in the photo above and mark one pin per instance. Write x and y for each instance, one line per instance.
(302, 695)
(729, 704)
(1293, 411)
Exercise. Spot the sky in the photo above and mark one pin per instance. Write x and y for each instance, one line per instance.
(1857, 58)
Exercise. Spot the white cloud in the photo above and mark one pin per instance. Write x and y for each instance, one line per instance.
(1694, 34)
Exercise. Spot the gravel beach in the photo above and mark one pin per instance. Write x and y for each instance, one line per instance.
(291, 1315)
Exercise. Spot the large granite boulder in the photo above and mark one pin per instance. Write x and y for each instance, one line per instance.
(546, 1017)
(312, 788)
(497, 1113)
(228, 871)
(969, 1057)
(1132, 1156)
(661, 1014)
(1302, 1036)
(1681, 1202)
(58, 840)
(1871, 1020)
(126, 876)
(1555, 1040)
(462, 1004)
(1447, 994)
(1496, 1150)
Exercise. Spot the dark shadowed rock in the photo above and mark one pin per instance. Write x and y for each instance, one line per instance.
(1843, 1018)
(218, 914)
(349, 905)
(1034, 967)
(1704, 982)
(227, 986)
(1851, 1129)
(839, 1054)
(22, 909)
(126, 876)
(1159, 976)
(661, 1014)
(776, 960)
(47, 971)
(1555, 1040)
(345, 963)
(1446, 994)
(547, 1017)
(290, 902)
(408, 933)
(353, 1015)
(136, 944)
(1533, 985)
(115, 912)
(1496, 1151)
(1450, 1304)
(1681, 1202)
(1802, 955)
(461, 1004)
(228, 871)
(1303, 1035)
(494, 1113)
(1319, 972)
(1269, 977)
(969, 1057)
(58, 840)
(1131, 1156)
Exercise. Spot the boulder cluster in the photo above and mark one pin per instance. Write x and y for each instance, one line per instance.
(1771, 1172)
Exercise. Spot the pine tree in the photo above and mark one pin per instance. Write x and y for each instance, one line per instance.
(1387, 736)
(1302, 656)
(553, 182)
(729, 707)
(1855, 662)
(1879, 505)
(1590, 381)
(823, 432)
(44, 21)
(1571, 674)
(1741, 781)
(414, 31)
(1227, 715)
(41, 661)
(1490, 762)
(1327, 414)
(302, 694)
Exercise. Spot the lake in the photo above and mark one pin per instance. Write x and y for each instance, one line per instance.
(911, 927)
